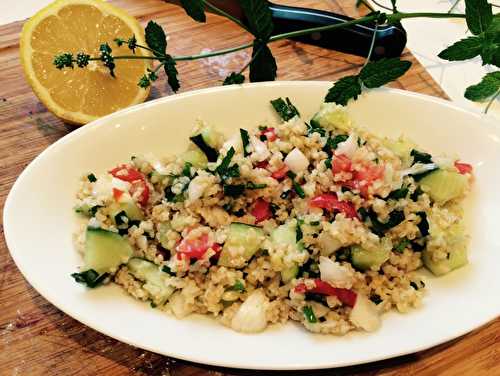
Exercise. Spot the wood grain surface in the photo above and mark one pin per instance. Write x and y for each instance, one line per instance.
(38, 339)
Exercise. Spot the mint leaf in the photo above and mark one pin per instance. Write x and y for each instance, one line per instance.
(234, 78)
(464, 49)
(156, 38)
(285, 108)
(478, 15)
(485, 89)
(195, 9)
(344, 89)
(263, 66)
(259, 17)
(378, 73)
(171, 72)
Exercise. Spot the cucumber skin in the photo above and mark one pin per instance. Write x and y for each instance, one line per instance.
(155, 280)
(241, 234)
(368, 260)
(132, 211)
(443, 186)
(105, 251)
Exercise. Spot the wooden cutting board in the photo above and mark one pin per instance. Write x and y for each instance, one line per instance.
(38, 339)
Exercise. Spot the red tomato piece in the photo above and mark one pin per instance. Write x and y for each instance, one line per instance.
(117, 193)
(263, 164)
(346, 296)
(126, 173)
(341, 163)
(280, 173)
(330, 201)
(142, 187)
(270, 134)
(463, 168)
(196, 248)
(261, 210)
(364, 178)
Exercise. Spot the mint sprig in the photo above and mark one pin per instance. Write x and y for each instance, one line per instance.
(263, 65)
(156, 39)
(485, 89)
(478, 14)
(372, 75)
(195, 9)
(234, 78)
(464, 49)
(259, 18)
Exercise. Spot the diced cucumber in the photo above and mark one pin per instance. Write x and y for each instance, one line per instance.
(369, 259)
(241, 244)
(333, 116)
(442, 185)
(196, 157)
(133, 212)
(212, 137)
(289, 273)
(105, 250)
(163, 229)
(156, 281)
(456, 244)
(287, 234)
(401, 147)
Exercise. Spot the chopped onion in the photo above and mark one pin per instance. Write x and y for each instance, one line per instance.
(234, 142)
(260, 151)
(120, 184)
(103, 187)
(196, 188)
(348, 147)
(419, 168)
(296, 161)
(334, 273)
(445, 163)
(177, 304)
(157, 165)
(328, 244)
(364, 314)
(251, 316)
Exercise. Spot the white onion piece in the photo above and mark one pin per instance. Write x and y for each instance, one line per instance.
(120, 184)
(419, 168)
(328, 244)
(251, 316)
(364, 314)
(234, 142)
(260, 150)
(177, 304)
(445, 163)
(196, 188)
(102, 188)
(296, 161)
(334, 273)
(348, 147)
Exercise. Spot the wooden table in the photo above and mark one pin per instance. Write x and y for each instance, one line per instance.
(38, 339)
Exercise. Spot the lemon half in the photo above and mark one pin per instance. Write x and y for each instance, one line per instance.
(80, 95)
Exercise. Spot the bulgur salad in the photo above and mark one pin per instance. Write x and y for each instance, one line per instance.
(319, 222)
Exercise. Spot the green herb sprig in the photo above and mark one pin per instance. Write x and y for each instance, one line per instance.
(482, 23)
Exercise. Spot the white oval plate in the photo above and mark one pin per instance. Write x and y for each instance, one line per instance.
(39, 222)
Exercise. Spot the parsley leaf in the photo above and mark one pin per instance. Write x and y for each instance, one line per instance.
(91, 178)
(309, 314)
(90, 278)
(464, 49)
(478, 15)
(224, 170)
(344, 89)
(259, 17)
(285, 108)
(195, 9)
(333, 142)
(209, 151)
(315, 127)
(238, 286)
(378, 73)
(489, 86)
(401, 246)
(234, 78)
(420, 157)
(263, 65)
(156, 38)
(423, 225)
(172, 73)
(399, 193)
(233, 190)
(245, 140)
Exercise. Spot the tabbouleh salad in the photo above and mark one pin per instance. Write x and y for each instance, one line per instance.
(319, 222)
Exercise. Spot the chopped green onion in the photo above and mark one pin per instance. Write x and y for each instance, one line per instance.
(298, 231)
(251, 185)
(245, 140)
(91, 178)
(285, 109)
(420, 157)
(186, 171)
(238, 286)
(401, 246)
(398, 193)
(314, 127)
(423, 225)
(309, 314)
(233, 190)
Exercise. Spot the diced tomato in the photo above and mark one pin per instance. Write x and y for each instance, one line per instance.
(280, 173)
(126, 173)
(346, 296)
(270, 134)
(263, 164)
(117, 193)
(261, 210)
(141, 186)
(341, 163)
(463, 168)
(364, 178)
(195, 248)
(330, 201)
